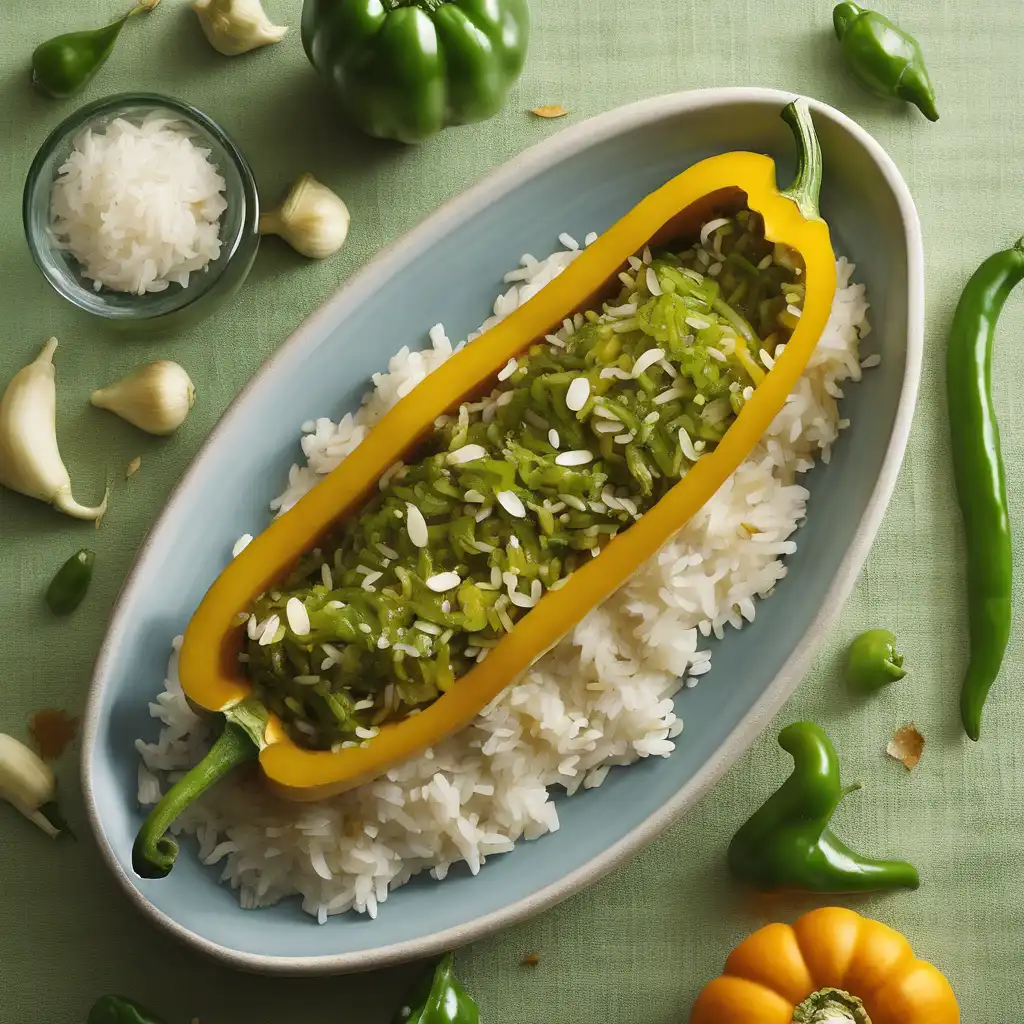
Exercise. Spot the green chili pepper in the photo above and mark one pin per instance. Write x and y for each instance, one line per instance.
(873, 661)
(154, 852)
(438, 998)
(886, 60)
(979, 473)
(118, 1010)
(787, 844)
(65, 64)
(68, 586)
(406, 69)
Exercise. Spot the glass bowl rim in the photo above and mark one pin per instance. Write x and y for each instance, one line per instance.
(75, 122)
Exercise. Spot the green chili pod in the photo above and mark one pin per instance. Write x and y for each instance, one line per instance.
(438, 998)
(787, 844)
(65, 64)
(886, 60)
(118, 1010)
(873, 661)
(980, 476)
(68, 587)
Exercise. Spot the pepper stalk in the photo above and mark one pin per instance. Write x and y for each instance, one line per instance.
(831, 1006)
(243, 737)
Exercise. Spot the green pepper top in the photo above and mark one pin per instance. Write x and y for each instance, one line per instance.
(406, 69)
(584, 434)
(873, 661)
(438, 998)
(787, 844)
(887, 60)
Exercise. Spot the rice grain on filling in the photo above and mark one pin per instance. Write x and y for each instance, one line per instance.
(602, 697)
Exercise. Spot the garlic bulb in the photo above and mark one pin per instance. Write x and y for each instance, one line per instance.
(30, 461)
(236, 26)
(27, 783)
(312, 219)
(156, 397)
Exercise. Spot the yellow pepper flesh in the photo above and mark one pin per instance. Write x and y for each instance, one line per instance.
(208, 662)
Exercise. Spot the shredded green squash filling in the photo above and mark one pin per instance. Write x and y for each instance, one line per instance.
(583, 434)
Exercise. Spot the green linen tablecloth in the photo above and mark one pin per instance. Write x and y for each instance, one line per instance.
(638, 946)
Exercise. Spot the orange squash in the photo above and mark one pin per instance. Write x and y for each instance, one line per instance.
(786, 974)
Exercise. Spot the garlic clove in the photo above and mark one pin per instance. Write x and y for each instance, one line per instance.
(30, 461)
(27, 783)
(313, 220)
(237, 26)
(156, 397)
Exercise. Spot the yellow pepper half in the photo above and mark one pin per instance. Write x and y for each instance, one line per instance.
(209, 668)
(833, 966)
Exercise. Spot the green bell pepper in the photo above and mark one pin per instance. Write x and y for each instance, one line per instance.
(438, 998)
(787, 844)
(118, 1010)
(406, 69)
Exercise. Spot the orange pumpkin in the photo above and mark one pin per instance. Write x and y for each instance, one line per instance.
(860, 969)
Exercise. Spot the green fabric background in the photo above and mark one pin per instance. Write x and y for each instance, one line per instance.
(638, 946)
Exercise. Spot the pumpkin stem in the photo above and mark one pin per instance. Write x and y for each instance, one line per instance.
(831, 1006)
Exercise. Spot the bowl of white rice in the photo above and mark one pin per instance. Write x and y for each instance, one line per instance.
(140, 209)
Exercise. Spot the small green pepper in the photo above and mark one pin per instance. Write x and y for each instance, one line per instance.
(873, 661)
(886, 60)
(787, 844)
(118, 1010)
(65, 64)
(68, 586)
(437, 998)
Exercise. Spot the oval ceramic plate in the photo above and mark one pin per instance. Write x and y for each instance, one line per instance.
(449, 269)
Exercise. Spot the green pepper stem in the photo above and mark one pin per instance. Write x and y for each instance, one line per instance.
(831, 1006)
(154, 852)
(806, 186)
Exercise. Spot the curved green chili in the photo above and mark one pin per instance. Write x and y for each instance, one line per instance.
(68, 586)
(154, 852)
(886, 60)
(787, 844)
(980, 477)
(438, 998)
(873, 661)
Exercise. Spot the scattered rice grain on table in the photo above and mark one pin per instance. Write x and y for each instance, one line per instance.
(602, 697)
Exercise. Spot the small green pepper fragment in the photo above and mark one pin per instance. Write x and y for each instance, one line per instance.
(873, 661)
(886, 60)
(65, 64)
(437, 998)
(118, 1010)
(786, 844)
(69, 585)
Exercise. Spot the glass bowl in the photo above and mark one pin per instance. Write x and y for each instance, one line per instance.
(176, 306)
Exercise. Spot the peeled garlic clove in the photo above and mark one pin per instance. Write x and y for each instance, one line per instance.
(30, 461)
(312, 219)
(156, 397)
(237, 26)
(27, 783)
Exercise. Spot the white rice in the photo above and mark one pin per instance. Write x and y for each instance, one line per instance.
(602, 697)
(138, 205)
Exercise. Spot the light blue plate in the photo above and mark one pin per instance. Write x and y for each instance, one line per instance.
(449, 269)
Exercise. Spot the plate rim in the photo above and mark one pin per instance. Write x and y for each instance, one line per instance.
(526, 164)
